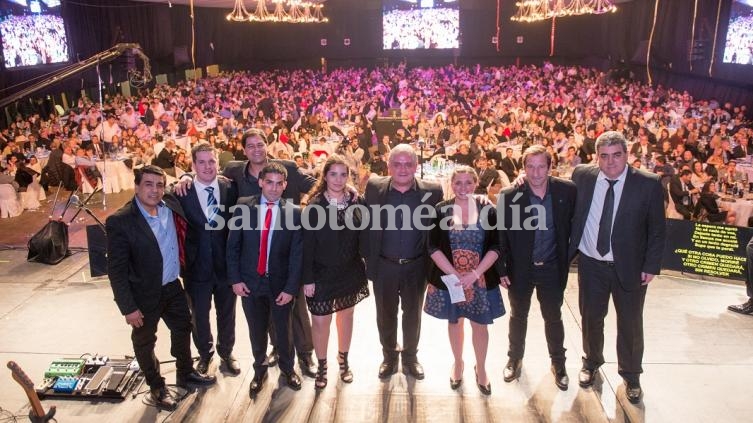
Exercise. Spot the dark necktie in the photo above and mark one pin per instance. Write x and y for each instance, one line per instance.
(212, 207)
(603, 242)
(261, 268)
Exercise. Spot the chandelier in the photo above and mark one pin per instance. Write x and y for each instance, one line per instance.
(290, 11)
(539, 10)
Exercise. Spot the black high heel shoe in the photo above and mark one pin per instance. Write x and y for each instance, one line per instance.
(455, 384)
(345, 374)
(485, 389)
(320, 381)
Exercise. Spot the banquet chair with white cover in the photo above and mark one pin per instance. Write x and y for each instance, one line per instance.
(30, 199)
(10, 205)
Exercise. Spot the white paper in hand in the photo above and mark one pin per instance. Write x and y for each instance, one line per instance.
(456, 291)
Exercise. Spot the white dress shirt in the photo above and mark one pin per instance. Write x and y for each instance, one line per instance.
(272, 225)
(203, 195)
(587, 244)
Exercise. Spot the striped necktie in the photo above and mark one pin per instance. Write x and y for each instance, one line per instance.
(212, 207)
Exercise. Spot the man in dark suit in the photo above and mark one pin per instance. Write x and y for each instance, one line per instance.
(265, 264)
(245, 174)
(206, 207)
(682, 191)
(510, 165)
(95, 144)
(537, 257)
(642, 148)
(746, 307)
(619, 230)
(166, 158)
(396, 260)
(143, 252)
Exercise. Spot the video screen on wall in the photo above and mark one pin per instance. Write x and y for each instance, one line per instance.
(738, 48)
(32, 33)
(420, 24)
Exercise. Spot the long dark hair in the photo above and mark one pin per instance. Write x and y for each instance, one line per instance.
(321, 184)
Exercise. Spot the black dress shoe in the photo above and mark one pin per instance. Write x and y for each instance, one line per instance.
(163, 398)
(512, 369)
(203, 365)
(273, 358)
(308, 368)
(586, 377)
(387, 369)
(414, 369)
(195, 378)
(293, 380)
(633, 392)
(745, 308)
(257, 383)
(231, 364)
(560, 376)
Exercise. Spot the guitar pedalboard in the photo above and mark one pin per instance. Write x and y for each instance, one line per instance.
(94, 377)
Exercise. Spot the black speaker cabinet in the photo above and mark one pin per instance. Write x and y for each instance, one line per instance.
(389, 127)
(97, 242)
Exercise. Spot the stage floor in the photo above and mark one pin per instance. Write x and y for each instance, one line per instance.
(698, 363)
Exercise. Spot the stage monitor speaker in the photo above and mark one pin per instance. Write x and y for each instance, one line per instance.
(161, 79)
(97, 242)
(213, 70)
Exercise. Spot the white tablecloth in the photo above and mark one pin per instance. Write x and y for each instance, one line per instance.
(115, 175)
(743, 209)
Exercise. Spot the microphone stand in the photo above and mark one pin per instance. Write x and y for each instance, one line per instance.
(83, 206)
(421, 145)
(102, 139)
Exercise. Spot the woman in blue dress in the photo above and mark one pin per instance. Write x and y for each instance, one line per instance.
(463, 243)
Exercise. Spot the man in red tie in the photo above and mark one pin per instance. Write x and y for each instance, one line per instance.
(264, 265)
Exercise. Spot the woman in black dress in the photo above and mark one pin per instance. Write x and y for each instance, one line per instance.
(707, 203)
(334, 274)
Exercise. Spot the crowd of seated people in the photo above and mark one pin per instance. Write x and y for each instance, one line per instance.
(459, 113)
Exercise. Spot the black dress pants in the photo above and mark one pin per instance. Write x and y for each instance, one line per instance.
(597, 280)
(400, 285)
(301, 326)
(545, 281)
(173, 309)
(200, 294)
(260, 309)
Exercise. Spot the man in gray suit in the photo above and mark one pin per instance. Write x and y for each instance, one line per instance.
(619, 230)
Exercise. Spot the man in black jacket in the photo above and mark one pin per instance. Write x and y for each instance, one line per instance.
(537, 257)
(619, 231)
(143, 253)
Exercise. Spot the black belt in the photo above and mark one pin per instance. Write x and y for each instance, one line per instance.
(167, 285)
(543, 263)
(397, 260)
(603, 262)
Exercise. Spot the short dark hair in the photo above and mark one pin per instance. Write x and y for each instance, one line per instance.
(201, 147)
(148, 169)
(685, 172)
(273, 167)
(253, 132)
